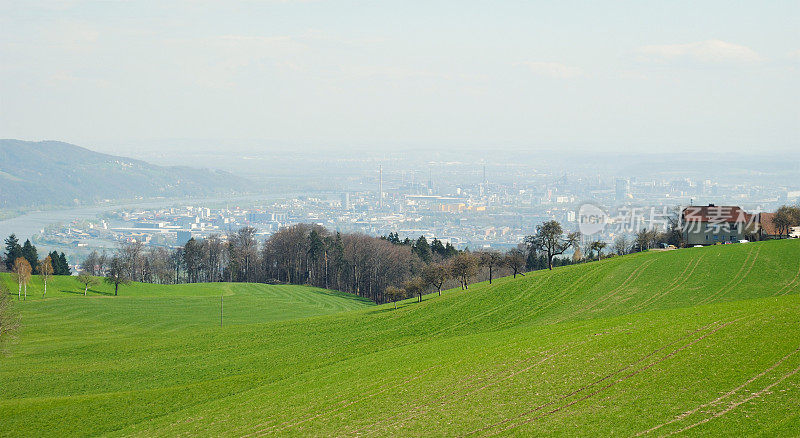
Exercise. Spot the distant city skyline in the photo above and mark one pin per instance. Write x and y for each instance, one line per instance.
(440, 76)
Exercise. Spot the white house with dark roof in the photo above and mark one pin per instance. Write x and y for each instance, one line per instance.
(711, 224)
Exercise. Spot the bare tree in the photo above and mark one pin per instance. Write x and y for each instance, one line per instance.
(117, 273)
(463, 267)
(586, 249)
(646, 239)
(599, 245)
(550, 238)
(243, 249)
(515, 260)
(394, 294)
(415, 286)
(102, 264)
(193, 260)
(785, 218)
(129, 254)
(89, 264)
(577, 254)
(86, 280)
(674, 232)
(94, 263)
(435, 275)
(215, 250)
(157, 260)
(622, 245)
(45, 271)
(175, 264)
(490, 259)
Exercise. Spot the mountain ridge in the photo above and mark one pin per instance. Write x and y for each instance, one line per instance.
(86, 177)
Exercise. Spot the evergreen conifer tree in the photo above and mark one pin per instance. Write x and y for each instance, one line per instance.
(64, 266)
(13, 251)
(31, 255)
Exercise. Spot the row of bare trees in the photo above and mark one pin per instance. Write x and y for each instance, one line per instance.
(539, 251)
(300, 254)
(785, 218)
(459, 270)
(380, 269)
(349, 262)
(387, 269)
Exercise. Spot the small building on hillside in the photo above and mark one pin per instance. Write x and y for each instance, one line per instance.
(711, 224)
(766, 228)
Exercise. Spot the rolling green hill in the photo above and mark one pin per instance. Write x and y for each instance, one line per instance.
(701, 340)
(176, 306)
(84, 177)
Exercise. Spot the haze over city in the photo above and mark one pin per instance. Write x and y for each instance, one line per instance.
(134, 78)
(399, 218)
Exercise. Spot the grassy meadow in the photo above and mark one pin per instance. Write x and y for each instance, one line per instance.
(700, 341)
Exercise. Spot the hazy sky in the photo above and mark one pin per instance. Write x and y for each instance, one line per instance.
(617, 76)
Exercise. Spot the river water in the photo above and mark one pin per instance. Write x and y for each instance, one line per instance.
(29, 224)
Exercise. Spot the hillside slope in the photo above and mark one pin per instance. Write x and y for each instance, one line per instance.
(701, 340)
(29, 171)
(175, 306)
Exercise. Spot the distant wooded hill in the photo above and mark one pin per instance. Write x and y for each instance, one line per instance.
(53, 173)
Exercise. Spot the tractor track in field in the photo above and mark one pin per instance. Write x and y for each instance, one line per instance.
(336, 399)
(583, 278)
(735, 405)
(716, 327)
(743, 272)
(493, 310)
(370, 429)
(381, 390)
(630, 279)
(465, 390)
(623, 378)
(674, 282)
(733, 391)
(609, 303)
(471, 388)
(683, 277)
(788, 287)
(574, 287)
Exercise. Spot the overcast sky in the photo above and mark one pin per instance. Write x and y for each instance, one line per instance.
(616, 76)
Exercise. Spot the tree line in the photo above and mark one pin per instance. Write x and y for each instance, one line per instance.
(23, 262)
(381, 269)
(785, 218)
(27, 251)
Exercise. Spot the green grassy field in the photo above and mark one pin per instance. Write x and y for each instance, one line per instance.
(173, 306)
(704, 341)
